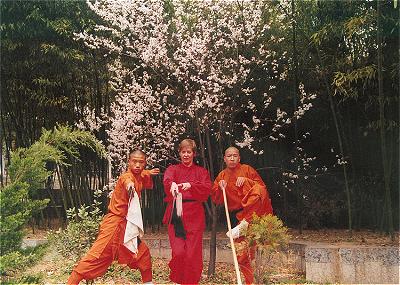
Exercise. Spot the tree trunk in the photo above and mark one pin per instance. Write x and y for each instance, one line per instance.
(297, 189)
(213, 239)
(340, 142)
(384, 148)
(63, 196)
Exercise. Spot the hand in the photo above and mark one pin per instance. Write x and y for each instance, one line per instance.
(185, 185)
(240, 181)
(222, 184)
(174, 189)
(154, 171)
(130, 188)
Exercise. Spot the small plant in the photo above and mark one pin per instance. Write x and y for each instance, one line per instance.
(30, 279)
(15, 262)
(268, 234)
(121, 272)
(81, 231)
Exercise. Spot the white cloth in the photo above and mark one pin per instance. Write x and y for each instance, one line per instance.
(177, 198)
(239, 230)
(174, 189)
(179, 207)
(134, 224)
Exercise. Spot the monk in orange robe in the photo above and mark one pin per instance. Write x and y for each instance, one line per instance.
(246, 194)
(109, 245)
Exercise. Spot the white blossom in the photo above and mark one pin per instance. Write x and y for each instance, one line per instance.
(183, 67)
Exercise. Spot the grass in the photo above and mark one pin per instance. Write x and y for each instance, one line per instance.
(53, 268)
(13, 265)
(44, 265)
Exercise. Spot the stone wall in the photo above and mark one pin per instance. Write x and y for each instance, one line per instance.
(321, 263)
(352, 264)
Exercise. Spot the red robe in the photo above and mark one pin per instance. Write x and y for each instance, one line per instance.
(187, 257)
(109, 243)
(251, 197)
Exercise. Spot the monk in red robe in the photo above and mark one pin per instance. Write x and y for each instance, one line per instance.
(187, 186)
(109, 245)
(246, 194)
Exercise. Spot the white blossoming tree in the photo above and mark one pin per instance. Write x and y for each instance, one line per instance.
(189, 65)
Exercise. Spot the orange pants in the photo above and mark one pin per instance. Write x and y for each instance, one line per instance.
(91, 267)
(245, 255)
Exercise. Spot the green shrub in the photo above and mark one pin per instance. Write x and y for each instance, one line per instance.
(267, 232)
(28, 170)
(16, 210)
(16, 261)
(81, 231)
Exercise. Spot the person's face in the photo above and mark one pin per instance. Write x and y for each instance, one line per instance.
(231, 158)
(137, 163)
(186, 153)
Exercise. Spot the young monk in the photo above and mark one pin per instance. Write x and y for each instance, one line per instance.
(246, 194)
(186, 185)
(121, 229)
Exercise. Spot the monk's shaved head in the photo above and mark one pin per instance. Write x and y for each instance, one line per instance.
(137, 161)
(137, 152)
(231, 149)
(232, 157)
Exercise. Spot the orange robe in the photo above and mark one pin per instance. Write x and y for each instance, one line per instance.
(251, 197)
(109, 243)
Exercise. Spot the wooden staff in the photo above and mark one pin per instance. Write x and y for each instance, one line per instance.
(109, 171)
(110, 180)
(228, 220)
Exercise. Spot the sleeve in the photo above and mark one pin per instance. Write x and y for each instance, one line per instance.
(258, 180)
(147, 179)
(252, 193)
(200, 187)
(169, 176)
(119, 185)
(126, 179)
(254, 196)
(253, 175)
(216, 192)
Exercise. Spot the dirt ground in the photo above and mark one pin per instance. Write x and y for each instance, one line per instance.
(341, 236)
(331, 236)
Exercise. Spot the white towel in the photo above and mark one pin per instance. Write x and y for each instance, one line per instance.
(179, 207)
(134, 224)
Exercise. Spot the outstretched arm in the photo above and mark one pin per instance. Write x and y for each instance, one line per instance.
(147, 177)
